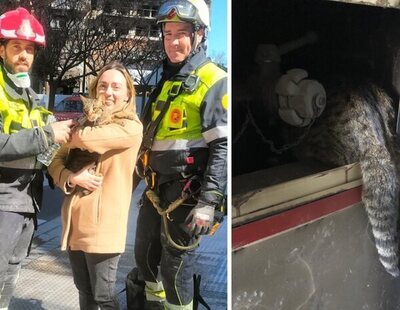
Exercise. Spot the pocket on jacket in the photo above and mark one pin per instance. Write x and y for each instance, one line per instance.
(88, 211)
(98, 206)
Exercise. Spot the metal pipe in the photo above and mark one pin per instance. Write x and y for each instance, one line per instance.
(309, 38)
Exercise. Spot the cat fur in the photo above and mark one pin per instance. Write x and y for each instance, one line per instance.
(358, 125)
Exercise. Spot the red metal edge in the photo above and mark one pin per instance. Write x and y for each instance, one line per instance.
(246, 234)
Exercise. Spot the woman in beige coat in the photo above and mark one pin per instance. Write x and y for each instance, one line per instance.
(95, 225)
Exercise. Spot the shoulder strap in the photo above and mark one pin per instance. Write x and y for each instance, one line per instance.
(151, 128)
(33, 97)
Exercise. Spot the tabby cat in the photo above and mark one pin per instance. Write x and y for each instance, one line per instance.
(94, 114)
(359, 126)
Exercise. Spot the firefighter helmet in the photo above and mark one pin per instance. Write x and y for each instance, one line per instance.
(20, 24)
(192, 11)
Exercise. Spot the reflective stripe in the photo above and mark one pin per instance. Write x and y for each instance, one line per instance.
(169, 306)
(155, 296)
(168, 145)
(24, 163)
(155, 291)
(155, 286)
(215, 133)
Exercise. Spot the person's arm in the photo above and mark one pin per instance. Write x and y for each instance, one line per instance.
(215, 131)
(58, 172)
(25, 143)
(33, 141)
(66, 179)
(103, 138)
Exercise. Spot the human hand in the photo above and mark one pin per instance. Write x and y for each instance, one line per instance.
(62, 130)
(87, 178)
(200, 219)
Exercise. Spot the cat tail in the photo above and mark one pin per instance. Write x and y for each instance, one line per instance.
(380, 170)
(381, 198)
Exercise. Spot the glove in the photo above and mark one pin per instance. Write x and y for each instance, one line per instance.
(200, 219)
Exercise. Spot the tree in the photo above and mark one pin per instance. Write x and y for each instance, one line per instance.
(85, 35)
(142, 52)
(220, 59)
(6, 5)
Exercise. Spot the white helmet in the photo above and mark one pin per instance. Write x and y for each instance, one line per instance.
(195, 12)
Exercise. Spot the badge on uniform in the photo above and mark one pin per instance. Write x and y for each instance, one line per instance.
(175, 117)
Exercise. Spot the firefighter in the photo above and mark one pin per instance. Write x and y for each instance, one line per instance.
(183, 157)
(24, 134)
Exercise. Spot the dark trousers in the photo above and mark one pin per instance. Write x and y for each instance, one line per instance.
(152, 249)
(94, 277)
(16, 230)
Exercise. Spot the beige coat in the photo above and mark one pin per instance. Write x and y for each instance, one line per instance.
(97, 223)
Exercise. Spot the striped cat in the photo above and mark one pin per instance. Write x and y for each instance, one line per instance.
(358, 126)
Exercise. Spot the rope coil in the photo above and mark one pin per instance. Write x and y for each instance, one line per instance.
(155, 200)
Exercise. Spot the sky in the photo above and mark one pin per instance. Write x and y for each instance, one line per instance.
(218, 37)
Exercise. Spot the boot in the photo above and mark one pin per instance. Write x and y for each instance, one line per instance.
(135, 296)
(153, 305)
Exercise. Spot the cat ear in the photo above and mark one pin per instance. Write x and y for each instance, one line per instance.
(84, 99)
(100, 97)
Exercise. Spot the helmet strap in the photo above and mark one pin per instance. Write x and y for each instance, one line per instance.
(196, 41)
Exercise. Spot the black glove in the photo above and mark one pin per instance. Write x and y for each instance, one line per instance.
(200, 219)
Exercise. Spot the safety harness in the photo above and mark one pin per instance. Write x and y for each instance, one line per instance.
(148, 174)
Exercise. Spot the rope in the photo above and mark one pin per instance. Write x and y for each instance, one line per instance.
(155, 200)
(251, 120)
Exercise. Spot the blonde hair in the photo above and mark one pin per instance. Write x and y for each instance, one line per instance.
(115, 65)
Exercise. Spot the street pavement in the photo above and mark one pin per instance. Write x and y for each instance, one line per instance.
(46, 281)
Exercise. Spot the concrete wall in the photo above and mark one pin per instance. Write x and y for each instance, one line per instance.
(329, 264)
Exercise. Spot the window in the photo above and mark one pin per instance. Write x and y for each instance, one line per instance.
(93, 4)
(131, 33)
(55, 24)
(148, 11)
(142, 31)
(154, 31)
(60, 4)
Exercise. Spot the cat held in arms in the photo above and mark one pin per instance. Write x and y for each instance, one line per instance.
(358, 125)
(95, 113)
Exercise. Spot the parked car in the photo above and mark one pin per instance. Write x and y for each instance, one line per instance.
(70, 107)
